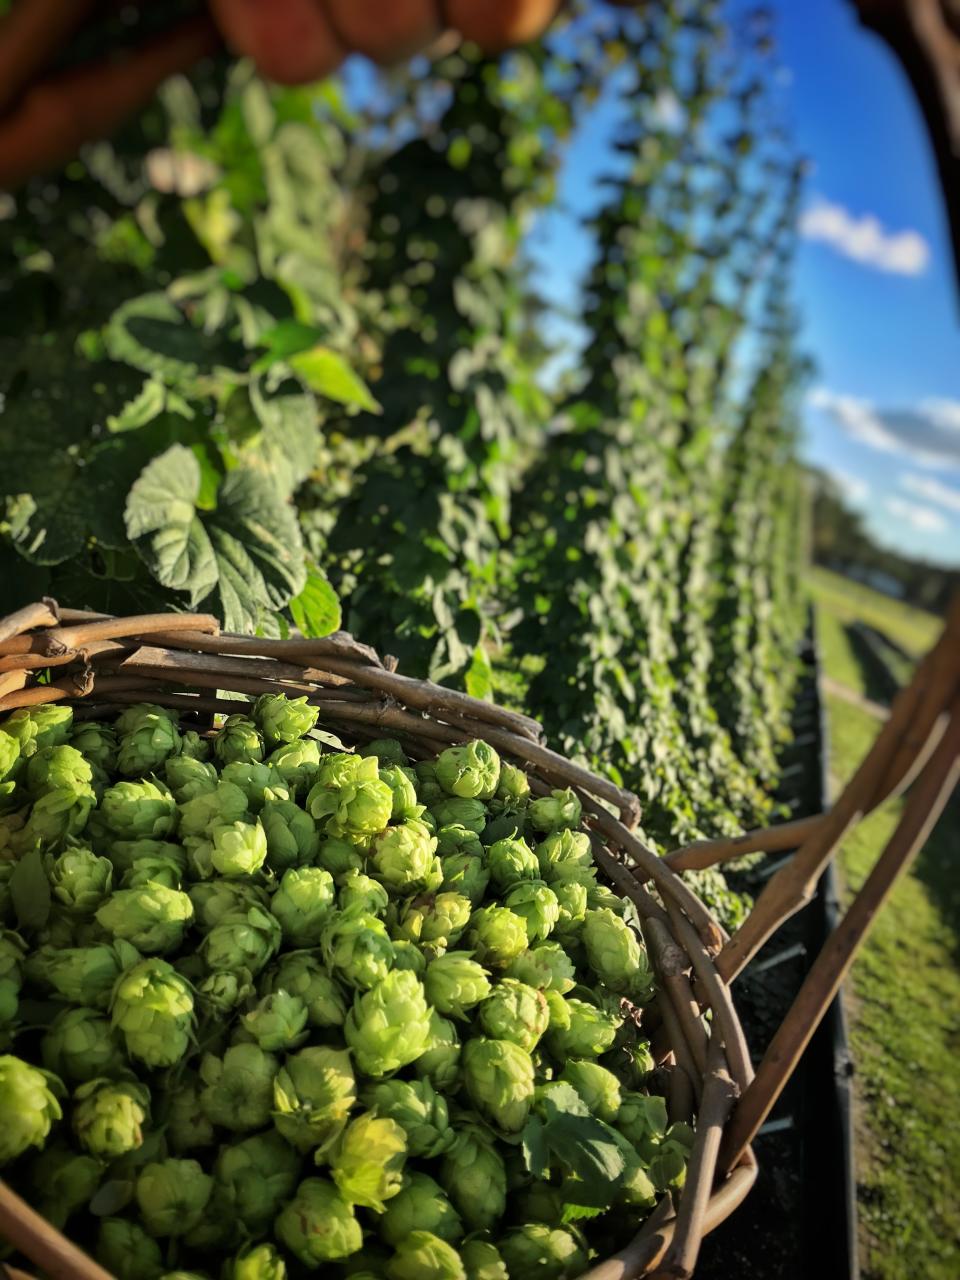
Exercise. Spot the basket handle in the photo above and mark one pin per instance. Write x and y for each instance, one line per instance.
(918, 745)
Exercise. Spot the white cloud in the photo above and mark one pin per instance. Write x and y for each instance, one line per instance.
(854, 488)
(929, 434)
(668, 111)
(923, 519)
(865, 239)
(944, 495)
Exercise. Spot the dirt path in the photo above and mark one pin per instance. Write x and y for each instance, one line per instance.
(838, 690)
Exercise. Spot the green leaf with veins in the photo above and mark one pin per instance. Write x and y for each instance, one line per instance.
(316, 610)
(151, 333)
(245, 556)
(329, 375)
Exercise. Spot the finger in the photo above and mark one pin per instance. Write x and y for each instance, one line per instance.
(291, 41)
(56, 116)
(385, 30)
(498, 26)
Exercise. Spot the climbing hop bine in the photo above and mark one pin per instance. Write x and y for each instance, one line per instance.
(100, 663)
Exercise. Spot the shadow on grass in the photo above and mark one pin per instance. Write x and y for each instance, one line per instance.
(879, 683)
(938, 868)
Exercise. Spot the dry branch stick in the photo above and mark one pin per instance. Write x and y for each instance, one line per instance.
(719, 1095)
(29, 36)
(923, 807)
(41, 614)
(42, 1243)
(672, 964)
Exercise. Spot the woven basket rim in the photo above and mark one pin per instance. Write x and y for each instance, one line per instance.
(99, 663)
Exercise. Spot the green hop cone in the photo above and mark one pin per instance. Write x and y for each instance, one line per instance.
(318, 1225)
(46, 725)
(339, 856)
(428, 788)
(214, 899)
(278, 1022)
(56, 815)
(579, 1029)
(475, 1177)
(465, 873)
(513, 1011)
(387, 750)
(421, 1112)
(186, 1125)
(404, 859)
(238, 1088)
(239, 848)
(424, 1256)
(145, 747)
(130, 719)
(564, 853)
(367, 1161)
(403, 784)
(151, 918)
(510, 862)
(358, 949)
(420, 1205)
(82, 975)
(349, 796)
(221, 993)
(452, 810)
(407, 955)
(545, 966)
(553, 812)
(642, 1119)
(127, 1252)
(188, 778)
(471, 772)
(498, 1076)
(9, 755)
(239, 739)
(359, 893)
(283, 719)
(536, 904)
(302, 975)
(28, 1106)
(138, 810)
(540, 1250)
(80, 1044)
(303, 904)
(163, 871)
(496, 936)
(108, 1116)
(389, 1025)
(456, 838)
(261, 1262)
(455, 983)
(97, 743)
(616, 955)
(313, 1094)
(668, 1165)
(63, 1182)
(241, 940)
(571, 899)
(12, 951)
(172, 1195)
(435, 920)
(292, 839)
(298, 763)
(153, 1008)
(598, 1088)
(58, 768)
(440, 1061)
(193, 745)
(128, 855)
(482, 1260)
(257, 1174)
(258, 781)
(225, 804)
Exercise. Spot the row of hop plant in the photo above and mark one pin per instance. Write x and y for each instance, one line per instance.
(271, 1006)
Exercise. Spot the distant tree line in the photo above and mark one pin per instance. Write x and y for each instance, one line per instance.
(841, 542)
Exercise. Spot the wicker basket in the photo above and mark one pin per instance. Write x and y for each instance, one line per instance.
(100, 663)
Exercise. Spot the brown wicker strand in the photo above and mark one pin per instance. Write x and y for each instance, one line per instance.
(42, 614)
(42, 1243)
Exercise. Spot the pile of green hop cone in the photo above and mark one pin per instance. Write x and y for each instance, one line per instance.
(268, 1008)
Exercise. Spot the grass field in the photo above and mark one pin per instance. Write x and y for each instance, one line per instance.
(905, 992)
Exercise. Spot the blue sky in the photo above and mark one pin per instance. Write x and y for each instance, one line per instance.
(874, 280)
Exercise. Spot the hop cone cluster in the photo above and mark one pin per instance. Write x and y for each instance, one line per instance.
(313, 1010)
